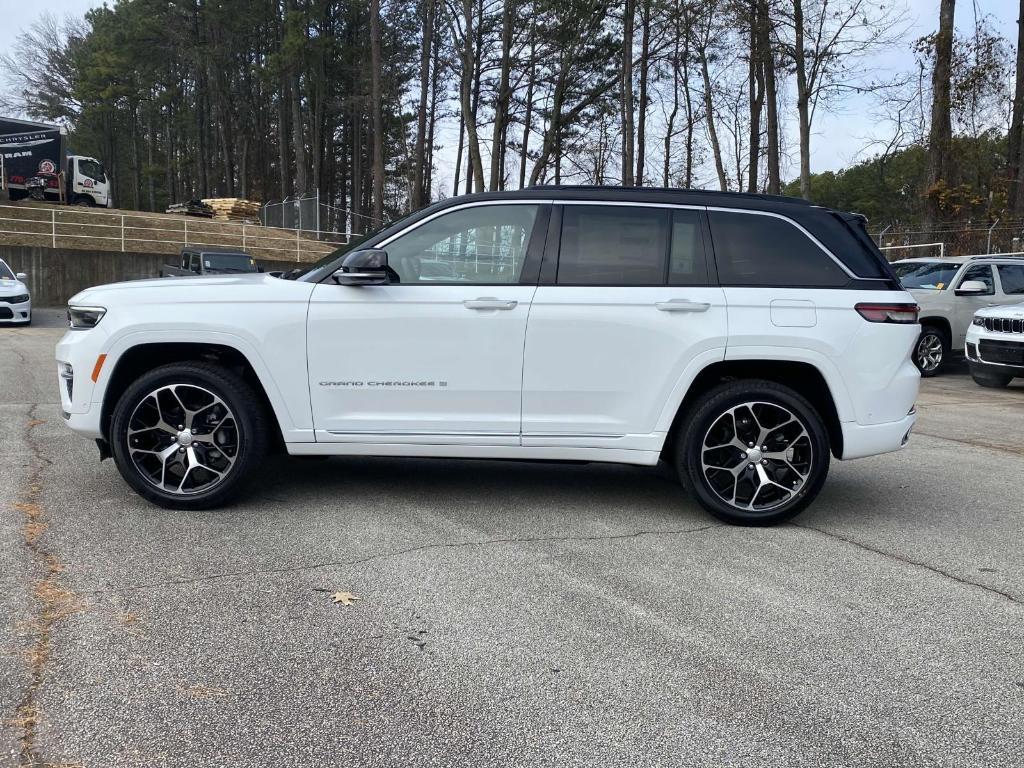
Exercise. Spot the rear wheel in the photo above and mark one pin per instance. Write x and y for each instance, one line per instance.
(991, 380)
(930, 350)
(188, 435)
(753, 452)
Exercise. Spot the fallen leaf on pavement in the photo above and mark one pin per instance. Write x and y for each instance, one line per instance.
(345, 598)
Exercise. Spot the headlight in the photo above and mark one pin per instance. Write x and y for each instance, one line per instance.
(979, 321)
(81, 318)
(15, 299)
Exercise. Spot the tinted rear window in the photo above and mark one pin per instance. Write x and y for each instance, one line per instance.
(761, 250)
(613, 245)
(1012, 278)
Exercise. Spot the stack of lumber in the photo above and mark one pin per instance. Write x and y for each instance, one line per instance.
(234, 209)
(192, 208)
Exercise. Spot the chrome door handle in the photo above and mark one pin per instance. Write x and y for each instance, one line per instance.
(489, 302)
(683, 305)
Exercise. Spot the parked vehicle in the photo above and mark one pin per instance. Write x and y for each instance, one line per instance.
(950, 291)
(33, 158)
(995, 345)
(205, 260)
(15, 301)
(744, 339)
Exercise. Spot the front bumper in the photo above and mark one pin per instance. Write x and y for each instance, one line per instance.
(81, 397)
(995, 351)
(15, 313)
(860, 440)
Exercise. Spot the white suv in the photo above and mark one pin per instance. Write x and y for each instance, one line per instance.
(995, 344)
(744, 339)
(949, 292)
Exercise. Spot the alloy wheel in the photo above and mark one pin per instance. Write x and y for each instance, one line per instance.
(757, 456)
(183, 439)
(928, 354)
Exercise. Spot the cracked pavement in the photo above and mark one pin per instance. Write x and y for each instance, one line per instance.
(517, 614)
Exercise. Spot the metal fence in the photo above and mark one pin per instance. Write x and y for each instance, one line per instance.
(84, 228)
(309, 214)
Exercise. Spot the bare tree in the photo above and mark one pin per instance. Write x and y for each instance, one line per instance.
(941, 132)
(1016, 137)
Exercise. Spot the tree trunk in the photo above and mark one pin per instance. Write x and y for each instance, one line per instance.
(419, 153)
(628, 138)
(502, 98)
(940, 134)
(771, 97)
(528, 118)
(377, 110)
(466, 90)
(282, 141)
(803, 99)
(756, 85)
(645, 56)
(709, 109)
(1016, 139)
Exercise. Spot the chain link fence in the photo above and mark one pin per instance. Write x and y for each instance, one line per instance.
(954, 239)
(309, 214)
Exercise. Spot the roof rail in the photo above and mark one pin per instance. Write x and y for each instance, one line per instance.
(1014, 255)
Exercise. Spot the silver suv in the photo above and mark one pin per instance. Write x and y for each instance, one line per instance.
(949, 292)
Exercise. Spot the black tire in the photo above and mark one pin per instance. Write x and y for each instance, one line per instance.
(85, 201)
(933, 341)
(250, 435)
(991, 380)
(767, 505)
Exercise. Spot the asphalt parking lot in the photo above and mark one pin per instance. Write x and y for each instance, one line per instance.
(511, 614)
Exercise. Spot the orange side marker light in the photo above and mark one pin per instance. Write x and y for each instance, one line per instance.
(98, 367)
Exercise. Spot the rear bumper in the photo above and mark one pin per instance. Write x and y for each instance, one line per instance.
(870, 440)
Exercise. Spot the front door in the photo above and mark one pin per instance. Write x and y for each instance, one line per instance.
(436, 357)
(966, 306)
(613, 333)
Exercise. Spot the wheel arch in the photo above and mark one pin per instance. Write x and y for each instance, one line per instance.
(802, 377)
(940, 322)
(141, 358)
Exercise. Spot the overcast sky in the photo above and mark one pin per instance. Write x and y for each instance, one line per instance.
(838, 141)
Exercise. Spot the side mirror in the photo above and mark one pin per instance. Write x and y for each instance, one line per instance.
(21, 276)
(366, 267)
(972, 288)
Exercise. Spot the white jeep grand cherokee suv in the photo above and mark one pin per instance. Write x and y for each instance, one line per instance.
(995, 345)
(743, 339)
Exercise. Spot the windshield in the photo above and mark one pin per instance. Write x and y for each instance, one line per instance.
(5, 272)
(228, 262)
(935, 275)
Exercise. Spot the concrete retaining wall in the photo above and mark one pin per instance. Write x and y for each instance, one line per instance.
(57, 274)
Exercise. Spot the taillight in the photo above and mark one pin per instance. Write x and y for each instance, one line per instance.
(889, 313)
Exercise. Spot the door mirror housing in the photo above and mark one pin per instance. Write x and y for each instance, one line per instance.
(972, 288)
(364, 267)
(21, 276)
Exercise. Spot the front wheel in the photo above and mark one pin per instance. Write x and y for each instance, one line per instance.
(930, 351)
(188, 435)
(753, 452)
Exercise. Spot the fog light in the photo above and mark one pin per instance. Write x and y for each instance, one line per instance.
(972, 351)
(67, 372)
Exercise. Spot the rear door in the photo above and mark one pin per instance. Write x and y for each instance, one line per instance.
(625, 310)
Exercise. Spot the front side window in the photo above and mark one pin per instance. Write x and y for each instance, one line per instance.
(92, 170)
(983, 274)
(483, 244)
(1012, 278)
(613, 245)
(761, 250)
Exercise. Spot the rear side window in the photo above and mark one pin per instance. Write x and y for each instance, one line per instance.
(759, 250)
(1012, 278)
(687, 264)
(613, 245)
